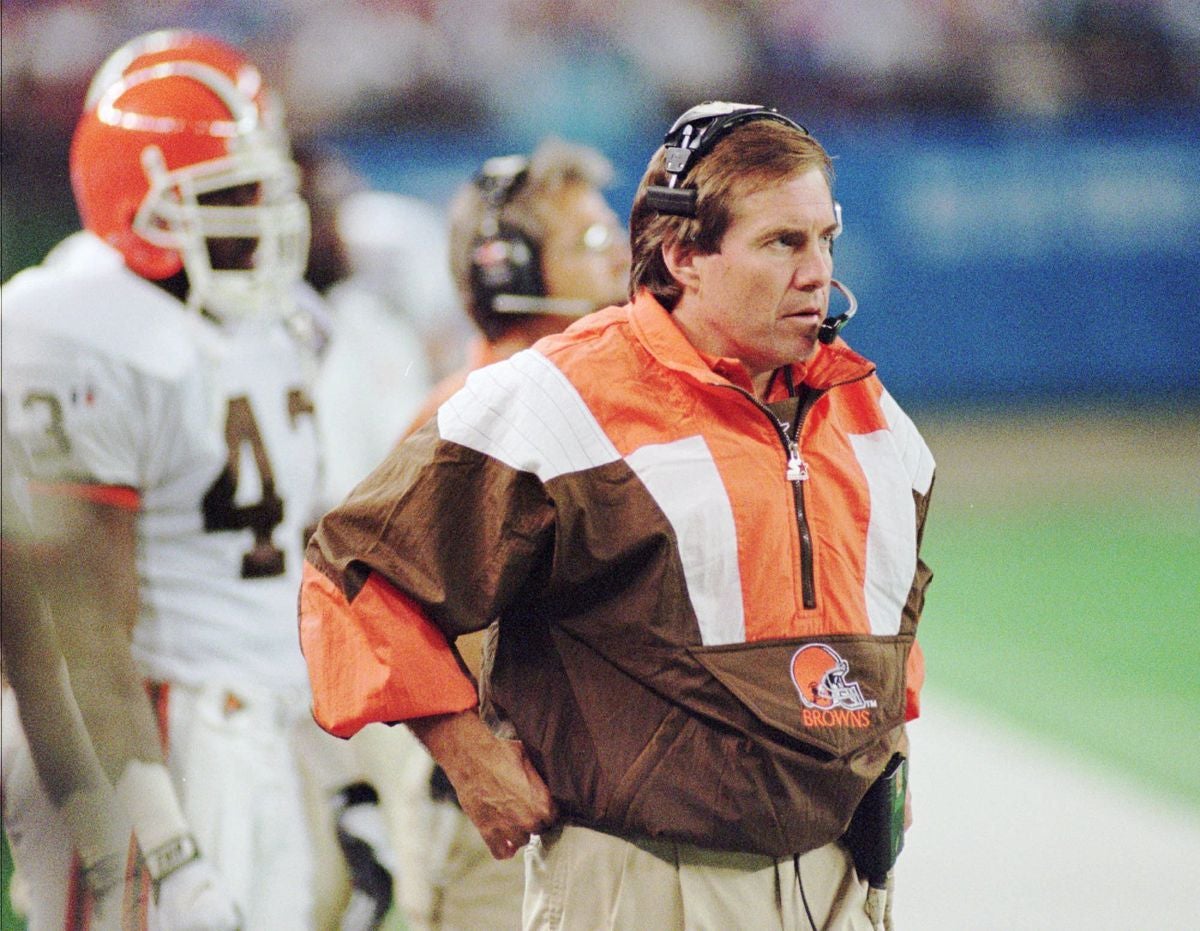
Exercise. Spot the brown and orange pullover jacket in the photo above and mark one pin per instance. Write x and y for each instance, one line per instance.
(707, 605)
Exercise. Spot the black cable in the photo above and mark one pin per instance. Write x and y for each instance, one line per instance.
(803, 898)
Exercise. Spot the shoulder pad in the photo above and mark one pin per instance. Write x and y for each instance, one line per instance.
(79, 296)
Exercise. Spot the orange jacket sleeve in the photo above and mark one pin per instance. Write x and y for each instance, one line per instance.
(376, 657)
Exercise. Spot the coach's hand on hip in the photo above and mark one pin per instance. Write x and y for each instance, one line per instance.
(497, 785)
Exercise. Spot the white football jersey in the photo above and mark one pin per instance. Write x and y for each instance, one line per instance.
(109, 381)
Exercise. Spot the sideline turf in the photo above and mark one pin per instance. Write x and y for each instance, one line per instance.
(8, 921)
(1081, 622)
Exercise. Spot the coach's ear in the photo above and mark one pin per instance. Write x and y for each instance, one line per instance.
(680, 259)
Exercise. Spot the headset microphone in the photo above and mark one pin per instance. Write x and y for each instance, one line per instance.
(532, 304)
(833, 325)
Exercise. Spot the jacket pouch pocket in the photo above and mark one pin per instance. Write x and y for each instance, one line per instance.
(835, 693)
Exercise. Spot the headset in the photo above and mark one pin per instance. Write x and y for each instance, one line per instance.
(504, 261)
(690, 138)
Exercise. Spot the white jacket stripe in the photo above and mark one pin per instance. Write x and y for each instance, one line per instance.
(891, 559)
(895, 462)
(683, 480)
(916, 455)
(526, 414)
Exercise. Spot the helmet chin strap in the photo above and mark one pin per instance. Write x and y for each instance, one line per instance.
(833, 325)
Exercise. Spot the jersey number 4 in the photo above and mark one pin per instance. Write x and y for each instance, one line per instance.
(221, 510)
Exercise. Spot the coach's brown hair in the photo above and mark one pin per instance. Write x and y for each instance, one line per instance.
(752, 155)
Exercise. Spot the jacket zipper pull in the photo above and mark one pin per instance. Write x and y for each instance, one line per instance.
(797, 471)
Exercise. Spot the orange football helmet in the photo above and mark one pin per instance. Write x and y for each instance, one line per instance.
(156, 141)
(819, 674)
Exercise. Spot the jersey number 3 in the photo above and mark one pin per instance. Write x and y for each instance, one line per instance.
(221, 510)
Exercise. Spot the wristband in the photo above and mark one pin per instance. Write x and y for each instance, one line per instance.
(165, 859)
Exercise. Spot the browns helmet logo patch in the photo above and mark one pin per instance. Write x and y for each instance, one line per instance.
(829, 698)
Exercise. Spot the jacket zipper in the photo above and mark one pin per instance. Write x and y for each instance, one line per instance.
(797, 474)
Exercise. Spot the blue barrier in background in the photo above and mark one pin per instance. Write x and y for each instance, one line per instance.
(1006, 263)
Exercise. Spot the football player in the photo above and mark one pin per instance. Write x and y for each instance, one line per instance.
(156, 378)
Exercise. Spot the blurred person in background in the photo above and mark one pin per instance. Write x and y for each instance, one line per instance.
(378, 264)
(696, 519)
(156, 381)
(60, 750)
(534, 245)
(355, 866)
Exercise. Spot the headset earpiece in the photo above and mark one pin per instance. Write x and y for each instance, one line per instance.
(504, 261)
(673, 201)
(691, 137)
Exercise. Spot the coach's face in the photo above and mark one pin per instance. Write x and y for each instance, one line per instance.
(763, 296)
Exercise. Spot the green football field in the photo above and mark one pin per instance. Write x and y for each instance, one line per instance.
(1079, 622)
(1066, 596)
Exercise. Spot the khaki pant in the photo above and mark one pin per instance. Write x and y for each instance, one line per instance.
(577, 879)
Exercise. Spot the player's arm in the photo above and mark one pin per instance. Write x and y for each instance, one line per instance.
(92, 591)
(91, 583)
(378, 657)
(386, 591)
(62, 753)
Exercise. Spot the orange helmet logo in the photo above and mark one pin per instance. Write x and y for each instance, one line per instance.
(819, 674)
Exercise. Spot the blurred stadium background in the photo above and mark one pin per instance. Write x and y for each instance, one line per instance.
(1022, 198)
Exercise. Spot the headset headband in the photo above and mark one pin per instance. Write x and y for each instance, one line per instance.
(506, 265)
(497, 181)
(691, 137)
